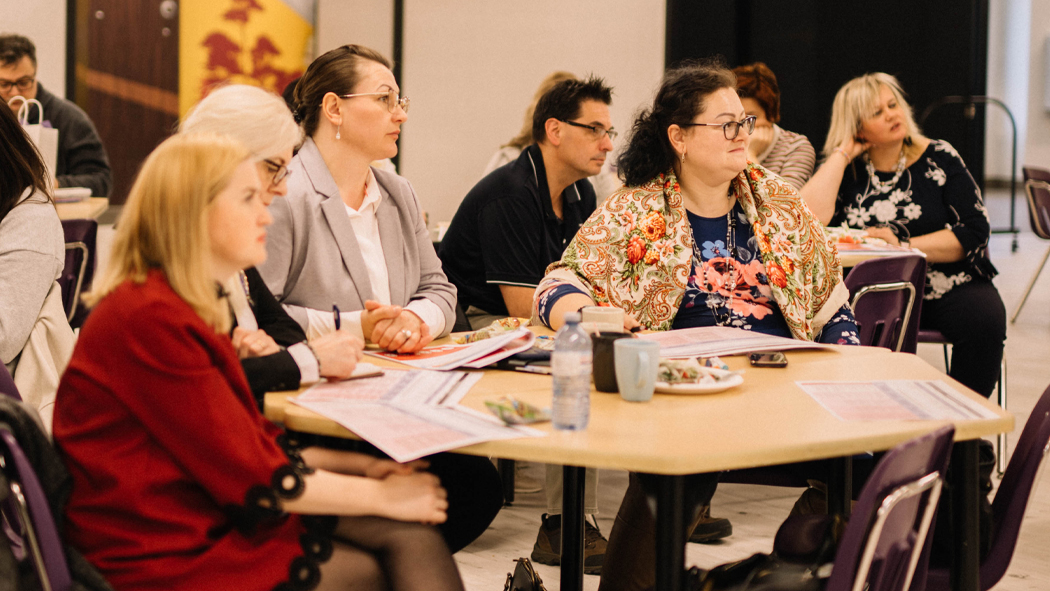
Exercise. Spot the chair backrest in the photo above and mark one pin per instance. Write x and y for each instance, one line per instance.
(1015, 491)
(7, 384)
(36, 525)
(1037, 192)
(886, 295)
(886, 544)
(79, 270)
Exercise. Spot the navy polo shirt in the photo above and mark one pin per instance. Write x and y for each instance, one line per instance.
(505, 231)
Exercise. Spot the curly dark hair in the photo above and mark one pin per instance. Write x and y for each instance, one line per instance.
(679, 100)
(335, 71)
(563, 100)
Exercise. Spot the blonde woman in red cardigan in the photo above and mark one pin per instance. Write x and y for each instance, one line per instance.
(178, 481)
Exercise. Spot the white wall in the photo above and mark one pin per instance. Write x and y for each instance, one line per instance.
(472, 66)
(364, 22)
(1008, 65)
(1037, 148)
(44, 22)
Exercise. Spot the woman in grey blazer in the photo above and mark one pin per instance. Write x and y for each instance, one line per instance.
(351, 235)
(348, 234)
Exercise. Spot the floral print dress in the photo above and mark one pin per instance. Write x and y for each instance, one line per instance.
(935, 193)
(730, 287)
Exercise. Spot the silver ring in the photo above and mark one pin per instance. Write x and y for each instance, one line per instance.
(407, 333)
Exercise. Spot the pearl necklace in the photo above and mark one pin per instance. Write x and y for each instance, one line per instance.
(885, 187)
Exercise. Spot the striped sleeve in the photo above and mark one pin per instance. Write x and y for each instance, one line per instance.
(792, 157)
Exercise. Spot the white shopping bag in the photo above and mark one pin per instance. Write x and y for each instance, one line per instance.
(45, 138)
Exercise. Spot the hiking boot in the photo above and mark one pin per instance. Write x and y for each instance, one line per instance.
(547, 549)
(708, 529)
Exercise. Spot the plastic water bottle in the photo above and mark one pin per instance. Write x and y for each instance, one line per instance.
(571, 368)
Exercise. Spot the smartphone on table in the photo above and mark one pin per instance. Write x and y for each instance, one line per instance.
(768, 359)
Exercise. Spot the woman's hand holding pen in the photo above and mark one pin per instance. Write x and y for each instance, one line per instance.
(337, 354)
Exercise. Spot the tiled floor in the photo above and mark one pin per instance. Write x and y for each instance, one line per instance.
(757, 511)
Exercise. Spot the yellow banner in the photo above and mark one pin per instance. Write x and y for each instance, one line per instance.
(259, 42)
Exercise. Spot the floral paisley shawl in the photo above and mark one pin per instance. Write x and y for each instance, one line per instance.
(635, 252)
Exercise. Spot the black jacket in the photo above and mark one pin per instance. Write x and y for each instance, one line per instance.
(82, 160)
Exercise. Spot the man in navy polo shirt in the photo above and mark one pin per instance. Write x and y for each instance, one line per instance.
(518, 220)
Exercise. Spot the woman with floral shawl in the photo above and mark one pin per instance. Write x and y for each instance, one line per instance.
(698, 236)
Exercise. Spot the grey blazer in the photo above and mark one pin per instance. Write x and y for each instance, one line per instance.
(313, 260)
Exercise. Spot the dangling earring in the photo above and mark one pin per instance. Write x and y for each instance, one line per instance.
(683, 157)
(337, 136)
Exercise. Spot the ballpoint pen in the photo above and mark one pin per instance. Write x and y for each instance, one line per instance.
(335, 316)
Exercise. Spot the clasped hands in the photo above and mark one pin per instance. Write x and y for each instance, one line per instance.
(393, 328)
(337, 352)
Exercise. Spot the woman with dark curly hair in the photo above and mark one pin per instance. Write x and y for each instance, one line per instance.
(699, 236)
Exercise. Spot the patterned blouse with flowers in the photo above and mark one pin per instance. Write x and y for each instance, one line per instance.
(934, 193)
(730, 287)
(636, 252)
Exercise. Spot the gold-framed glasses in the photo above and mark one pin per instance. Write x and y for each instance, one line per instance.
(730, 129)
(390, 98)
(278, 170)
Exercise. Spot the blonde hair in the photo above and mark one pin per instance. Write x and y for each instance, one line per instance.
(857, 101)
(165, 222)
(258, 119)
(524, 137)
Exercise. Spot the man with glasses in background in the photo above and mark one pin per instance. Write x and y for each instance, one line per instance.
(82, 160)
(518, 220)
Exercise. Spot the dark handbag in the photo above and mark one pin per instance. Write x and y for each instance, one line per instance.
(525, 578)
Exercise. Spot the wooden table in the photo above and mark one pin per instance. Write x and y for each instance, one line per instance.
(766, 421)
(88, 209)
(850, 257)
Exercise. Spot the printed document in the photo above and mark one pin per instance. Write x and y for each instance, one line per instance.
(902, 400)
(475, 355)
(710, 341)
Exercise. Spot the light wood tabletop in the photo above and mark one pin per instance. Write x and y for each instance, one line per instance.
(766, 421)
(853, 256)
(87, 209)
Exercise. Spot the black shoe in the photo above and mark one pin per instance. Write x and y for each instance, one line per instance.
(709, 529)
(547, 549)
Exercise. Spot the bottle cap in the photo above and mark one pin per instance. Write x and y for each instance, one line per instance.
(572, 318)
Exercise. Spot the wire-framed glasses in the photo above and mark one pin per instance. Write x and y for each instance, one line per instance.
(389, 97)
(24, 84)
(278, 170)
(730, 129)
(597, 131)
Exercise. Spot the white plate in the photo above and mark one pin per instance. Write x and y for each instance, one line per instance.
(686, 388)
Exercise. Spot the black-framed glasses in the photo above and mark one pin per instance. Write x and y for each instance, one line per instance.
(730, 129)
(597, 131)
(278, 170)
(390, 98)
(24, 84)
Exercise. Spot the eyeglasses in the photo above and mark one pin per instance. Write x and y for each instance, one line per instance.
(23, 84)
(279, 171)
(390, 98)
(730, 129)
(597, 131)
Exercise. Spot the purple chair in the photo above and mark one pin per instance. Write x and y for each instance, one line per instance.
(34, 523)
(1011, 499)
(7, 385)
(886, 545)
(886, 296)
(1037, 190)
(79, 270)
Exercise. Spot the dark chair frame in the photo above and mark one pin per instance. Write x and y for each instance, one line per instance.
(1037, 195)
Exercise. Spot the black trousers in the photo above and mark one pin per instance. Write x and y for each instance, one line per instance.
(973, 319)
